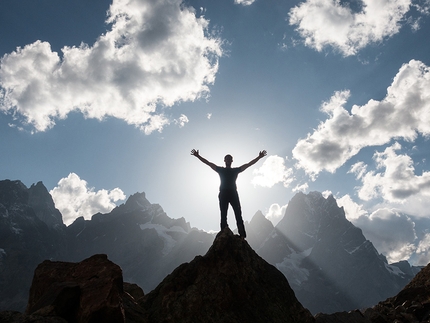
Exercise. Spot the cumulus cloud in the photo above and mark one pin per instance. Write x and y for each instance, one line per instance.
(334, 23)
(276, 213)
(423, 251)
(353, 211)
(155, 54)
(74, 198)
(397, 182)
(244, 2)
(392, 233)
(404, 112)
(182, 120)
(273, 171)
(301, 188)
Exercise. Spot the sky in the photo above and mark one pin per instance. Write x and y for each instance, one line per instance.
(100, 100)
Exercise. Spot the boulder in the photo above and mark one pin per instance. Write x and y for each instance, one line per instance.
(88, 291)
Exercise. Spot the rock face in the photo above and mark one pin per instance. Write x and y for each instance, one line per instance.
(327, 260)
(88, 291)
(43, 205)
(231, 283)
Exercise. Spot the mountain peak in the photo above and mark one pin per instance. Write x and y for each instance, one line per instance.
(137, 201)
(13, 192)
(43, 205)
(258, 229)
(230, 283)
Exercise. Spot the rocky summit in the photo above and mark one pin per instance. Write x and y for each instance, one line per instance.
(230, 283)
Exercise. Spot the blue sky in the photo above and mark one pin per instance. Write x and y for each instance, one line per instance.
(105, 99)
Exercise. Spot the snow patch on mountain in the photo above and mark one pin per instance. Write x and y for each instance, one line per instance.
(291, 267)
(2, 253)
(163, 233)
(394, 270)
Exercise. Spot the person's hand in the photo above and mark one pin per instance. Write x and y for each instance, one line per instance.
(262, 153)
(195, 152)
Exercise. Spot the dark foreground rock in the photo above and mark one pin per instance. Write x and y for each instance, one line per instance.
(231, 283)
(88, 291)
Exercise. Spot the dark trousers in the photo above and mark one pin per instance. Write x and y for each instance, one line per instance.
(227, 197)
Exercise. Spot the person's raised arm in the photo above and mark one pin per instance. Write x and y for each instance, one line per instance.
(204, 160)
(252, 162)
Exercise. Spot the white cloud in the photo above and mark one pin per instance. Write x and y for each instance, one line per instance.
(423, 252)
(182, 120)
(276, 213)
(396, 182)
(301, 188)
(74, 198)
(333, 23)
(404, 112)
(273, 171)
(244, 2)
(391, 232)
(353, 211)
(155, 54)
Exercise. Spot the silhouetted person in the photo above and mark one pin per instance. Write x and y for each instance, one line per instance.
(228, 190)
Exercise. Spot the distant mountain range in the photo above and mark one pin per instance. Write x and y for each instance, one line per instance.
(326, 259)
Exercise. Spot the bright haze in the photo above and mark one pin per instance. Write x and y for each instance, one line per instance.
(103, 99)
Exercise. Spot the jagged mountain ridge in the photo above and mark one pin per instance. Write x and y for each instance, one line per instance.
(329, 263)
(148, 245)
(141, 238)
(137, 235)
(25, 238)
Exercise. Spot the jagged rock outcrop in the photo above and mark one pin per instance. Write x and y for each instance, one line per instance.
(88, 291)
(230, 283)
(43, 205)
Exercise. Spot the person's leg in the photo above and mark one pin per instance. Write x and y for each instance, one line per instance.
(235, 203)
(223, 206)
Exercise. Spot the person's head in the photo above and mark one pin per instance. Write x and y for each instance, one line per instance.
(228, 159)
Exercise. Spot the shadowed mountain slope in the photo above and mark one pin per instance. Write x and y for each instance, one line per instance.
(329, 263)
